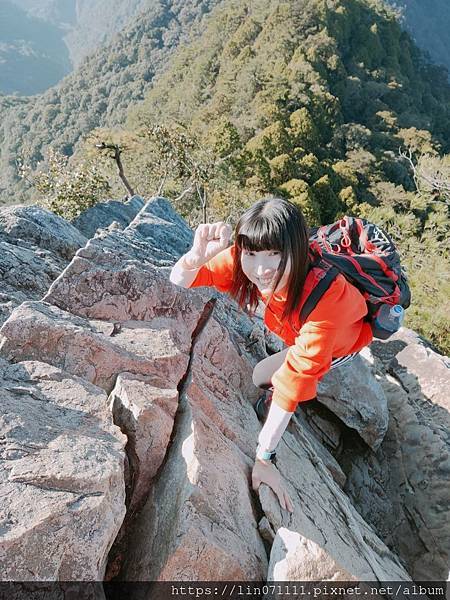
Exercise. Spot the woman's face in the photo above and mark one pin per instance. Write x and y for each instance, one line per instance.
(261, 268)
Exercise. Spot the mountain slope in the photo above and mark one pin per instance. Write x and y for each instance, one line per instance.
(87, 25)
(313, 101)
(99, 93)
(33, 55)
(429, 24)
(262, 52)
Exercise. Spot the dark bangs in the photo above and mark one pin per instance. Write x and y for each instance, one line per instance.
(261, 234)
(272, 224)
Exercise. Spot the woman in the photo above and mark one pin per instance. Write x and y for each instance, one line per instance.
(270, 262)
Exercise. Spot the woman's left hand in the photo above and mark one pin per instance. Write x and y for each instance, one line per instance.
(266, 472)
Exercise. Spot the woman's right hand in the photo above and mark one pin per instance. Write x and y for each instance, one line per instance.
(209, 240)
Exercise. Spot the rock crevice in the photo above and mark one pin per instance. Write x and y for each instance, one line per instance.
(135, 433)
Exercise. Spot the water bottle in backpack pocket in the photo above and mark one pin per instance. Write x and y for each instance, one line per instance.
(388, 320)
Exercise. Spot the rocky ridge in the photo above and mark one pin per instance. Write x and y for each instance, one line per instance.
(36, 245)
(129, 435)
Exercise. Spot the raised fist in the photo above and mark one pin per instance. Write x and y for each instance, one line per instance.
(209, 240)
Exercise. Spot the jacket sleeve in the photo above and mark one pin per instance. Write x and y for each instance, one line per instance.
(217, 272)
(311, 355)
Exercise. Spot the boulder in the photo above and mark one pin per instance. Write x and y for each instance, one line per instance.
(296, 558)
(36, 227)
(94, 350)
(357, 398)
(199, 522)
(162, 229)
(403, 489)
(62, 476)
(35, 246)
(103, 214)
(324, 520)
(422, 371)
(144, 408)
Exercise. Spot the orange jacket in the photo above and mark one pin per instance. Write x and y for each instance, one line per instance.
(333, 329)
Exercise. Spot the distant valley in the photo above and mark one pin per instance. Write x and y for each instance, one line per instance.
(429, 24)
(33, 54)
(42, 41)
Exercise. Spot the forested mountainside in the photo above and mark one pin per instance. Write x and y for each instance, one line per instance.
(33, 55)
(85, 24)
(312, 100)
(99, 93)
(429, 24)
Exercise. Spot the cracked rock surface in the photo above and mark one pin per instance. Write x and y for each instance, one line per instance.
(129, 424)
(403, 488)
(104, 214)
(36, 245)
(62, 477)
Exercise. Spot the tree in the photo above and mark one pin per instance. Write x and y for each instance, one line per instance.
(326, 199)
(67, 190)
(431, 175)
(116, 152)
(300, 194)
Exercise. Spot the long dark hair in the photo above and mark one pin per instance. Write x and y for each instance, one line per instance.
(272, 224)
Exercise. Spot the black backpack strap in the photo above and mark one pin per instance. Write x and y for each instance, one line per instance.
(331, 272)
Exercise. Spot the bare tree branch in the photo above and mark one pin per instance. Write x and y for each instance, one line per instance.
(162, 183)
(184, 193)
(433, 178)
(116, 156)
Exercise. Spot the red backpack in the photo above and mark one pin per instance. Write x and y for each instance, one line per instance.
(366, 256)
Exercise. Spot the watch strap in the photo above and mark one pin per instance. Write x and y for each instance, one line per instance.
(265, 454)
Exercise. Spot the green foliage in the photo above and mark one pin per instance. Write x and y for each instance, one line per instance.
(67, 190)
(299, 192)
(348, 199)
(283, 168)
(98, 94)
(326, 199)
(303, 129)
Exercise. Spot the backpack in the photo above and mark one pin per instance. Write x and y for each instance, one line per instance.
(367, 257)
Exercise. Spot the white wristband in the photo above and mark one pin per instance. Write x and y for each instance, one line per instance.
(274, 427)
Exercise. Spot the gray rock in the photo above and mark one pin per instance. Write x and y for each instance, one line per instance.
(62, 475)
(163, 229)
(92, 349)
(187, 529)
(42, 229)
(324, 519)
(103, 214)
(301, 427)
(35, 246)
(357, 399)
(144, 409)
(28, 270)
(417, 366)
(403, 489)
